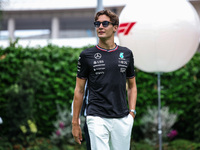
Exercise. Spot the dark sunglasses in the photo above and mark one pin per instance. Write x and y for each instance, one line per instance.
(104, 23)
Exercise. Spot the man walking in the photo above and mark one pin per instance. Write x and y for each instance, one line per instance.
(107, 67)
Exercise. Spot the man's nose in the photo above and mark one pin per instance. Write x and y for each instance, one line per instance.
(101, 25)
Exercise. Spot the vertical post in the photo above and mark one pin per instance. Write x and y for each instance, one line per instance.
(55, 26)
(159, 114)
(11, 28)
(99, 7)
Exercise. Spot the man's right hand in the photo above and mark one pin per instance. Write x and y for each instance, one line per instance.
(77, 133)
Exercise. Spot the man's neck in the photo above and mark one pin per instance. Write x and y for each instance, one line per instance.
(107, 44)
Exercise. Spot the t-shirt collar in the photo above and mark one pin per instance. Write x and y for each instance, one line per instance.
(107, 50)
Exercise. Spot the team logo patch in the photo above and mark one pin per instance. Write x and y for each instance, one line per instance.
(125, 28)
(97, 56)
(121, 55)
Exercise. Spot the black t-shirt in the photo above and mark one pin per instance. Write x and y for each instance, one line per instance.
(106, 71)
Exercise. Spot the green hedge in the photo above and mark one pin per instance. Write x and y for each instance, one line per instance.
(53, 67)
(45, 77)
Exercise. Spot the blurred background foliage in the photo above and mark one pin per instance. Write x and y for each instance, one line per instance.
(33, 81)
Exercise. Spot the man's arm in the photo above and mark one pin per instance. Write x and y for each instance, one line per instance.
(132, 94)
(78, 100)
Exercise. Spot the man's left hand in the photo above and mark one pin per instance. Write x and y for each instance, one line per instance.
(132, 114)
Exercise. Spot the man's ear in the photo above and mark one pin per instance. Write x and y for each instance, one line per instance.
(115, 27)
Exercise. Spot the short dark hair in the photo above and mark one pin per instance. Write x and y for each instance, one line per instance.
(113, 17)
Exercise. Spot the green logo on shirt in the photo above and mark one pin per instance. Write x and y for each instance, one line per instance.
(121, 55)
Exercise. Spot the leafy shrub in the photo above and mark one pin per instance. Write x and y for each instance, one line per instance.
(197, 119)
(179, 144)
(20, 110)
(62, 133)
(149, 124)
(4, 144)
(183, 145)
(43, 144)
(45, 75)
(141, 146)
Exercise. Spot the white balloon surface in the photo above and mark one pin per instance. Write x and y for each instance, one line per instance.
(163, 34)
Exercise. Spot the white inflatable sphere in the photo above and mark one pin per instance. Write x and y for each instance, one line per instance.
(163, 34)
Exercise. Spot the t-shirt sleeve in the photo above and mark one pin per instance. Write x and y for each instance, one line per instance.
(82, 67)
(130, 70)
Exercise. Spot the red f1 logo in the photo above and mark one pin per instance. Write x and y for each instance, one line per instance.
(125, 27)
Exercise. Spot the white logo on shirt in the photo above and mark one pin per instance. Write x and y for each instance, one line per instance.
(97, 56)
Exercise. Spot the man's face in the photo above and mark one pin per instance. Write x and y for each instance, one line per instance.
(105, 32)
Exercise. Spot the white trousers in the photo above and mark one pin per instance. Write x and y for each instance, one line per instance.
(110, 133)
